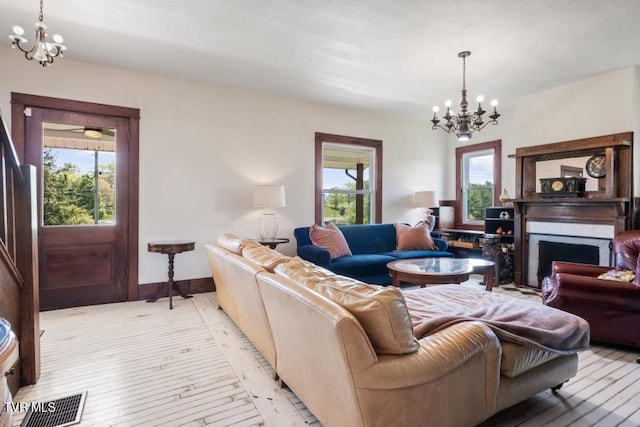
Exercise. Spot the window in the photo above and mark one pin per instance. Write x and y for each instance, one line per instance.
(79, 175)
(478, 175)
(348, 180)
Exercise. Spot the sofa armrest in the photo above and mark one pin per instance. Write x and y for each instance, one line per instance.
(442, 244)
(439, 354)
(578, 269)
(315, 254)
(598, 291)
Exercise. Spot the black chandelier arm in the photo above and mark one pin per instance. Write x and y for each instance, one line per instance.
(472, 128)
(446, 129)
(484, 125)
(473, 122)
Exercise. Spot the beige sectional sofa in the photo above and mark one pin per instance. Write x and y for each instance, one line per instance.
(347, 349)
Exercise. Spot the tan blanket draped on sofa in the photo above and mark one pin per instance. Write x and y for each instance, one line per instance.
(515, 320)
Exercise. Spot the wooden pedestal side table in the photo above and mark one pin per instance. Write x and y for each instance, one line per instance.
(272, 243)
(171, 248)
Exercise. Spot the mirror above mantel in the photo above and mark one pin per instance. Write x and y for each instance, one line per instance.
(605, 161)
(569, 167)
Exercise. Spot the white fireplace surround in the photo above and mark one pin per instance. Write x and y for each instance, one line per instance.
(599, 235)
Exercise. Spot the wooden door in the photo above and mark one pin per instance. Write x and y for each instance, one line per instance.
(82, 205)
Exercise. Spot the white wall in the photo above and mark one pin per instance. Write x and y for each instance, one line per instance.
(203, 147)
(601, 105)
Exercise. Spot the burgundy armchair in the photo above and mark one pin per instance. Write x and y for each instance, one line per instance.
(612, 308)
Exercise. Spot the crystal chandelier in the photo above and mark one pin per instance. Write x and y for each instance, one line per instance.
(41, 50)
(465, 123)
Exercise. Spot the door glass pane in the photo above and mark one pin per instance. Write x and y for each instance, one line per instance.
(79, 175)
(346, 182)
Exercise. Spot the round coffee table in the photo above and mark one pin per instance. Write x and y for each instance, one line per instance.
(439, 271)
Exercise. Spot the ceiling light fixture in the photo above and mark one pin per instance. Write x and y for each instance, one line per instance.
(464, 124)
(41, 50)
(93, 132)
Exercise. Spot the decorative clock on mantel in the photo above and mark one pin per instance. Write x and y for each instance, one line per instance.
(562, 187)
(596, 167)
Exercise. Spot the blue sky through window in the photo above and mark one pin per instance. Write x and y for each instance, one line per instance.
(83, 159)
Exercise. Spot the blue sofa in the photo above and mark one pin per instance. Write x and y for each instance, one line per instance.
(372, 245)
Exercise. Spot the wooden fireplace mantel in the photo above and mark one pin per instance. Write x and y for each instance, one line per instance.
(613, 211)
(611, 204)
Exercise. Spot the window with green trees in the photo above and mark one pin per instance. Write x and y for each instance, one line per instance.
(78, 184)
(478, 180)
(340, 205)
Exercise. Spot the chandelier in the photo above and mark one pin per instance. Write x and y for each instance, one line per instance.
(41, 50)
(465, 123)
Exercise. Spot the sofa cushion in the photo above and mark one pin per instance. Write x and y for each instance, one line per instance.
(414, 238)
(518, 359)
(302, 271)
(330, 238)
(265, 257)
(231, 243)
(369, 238)
(618, 275)
(358, 264)
(418, 254)
(382, 312)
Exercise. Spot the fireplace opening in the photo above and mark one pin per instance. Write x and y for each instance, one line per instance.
(557, 251)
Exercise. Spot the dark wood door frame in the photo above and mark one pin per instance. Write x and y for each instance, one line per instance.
(20, 101)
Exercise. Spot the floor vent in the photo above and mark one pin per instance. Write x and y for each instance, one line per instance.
(65, 411)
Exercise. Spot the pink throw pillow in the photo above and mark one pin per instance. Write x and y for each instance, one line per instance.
(414, 238)
(330, 238)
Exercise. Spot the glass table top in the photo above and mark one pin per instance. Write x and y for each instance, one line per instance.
(438, 266)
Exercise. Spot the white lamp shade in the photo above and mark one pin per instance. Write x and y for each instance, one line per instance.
(269, 196)
(425, 199)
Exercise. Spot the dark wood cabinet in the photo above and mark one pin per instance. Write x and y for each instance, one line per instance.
(497, 244)
(499, 220)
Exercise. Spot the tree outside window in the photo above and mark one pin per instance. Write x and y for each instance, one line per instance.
(71, 196)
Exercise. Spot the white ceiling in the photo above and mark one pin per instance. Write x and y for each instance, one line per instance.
(391, 56)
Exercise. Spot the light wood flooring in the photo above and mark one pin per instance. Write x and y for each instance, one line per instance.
(144, 365)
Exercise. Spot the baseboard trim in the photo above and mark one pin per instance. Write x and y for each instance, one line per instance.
(191, 286)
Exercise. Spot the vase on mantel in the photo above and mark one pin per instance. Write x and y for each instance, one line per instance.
(504, 197)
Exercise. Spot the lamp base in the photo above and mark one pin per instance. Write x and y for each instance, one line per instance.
(268, 226)
(425, 215)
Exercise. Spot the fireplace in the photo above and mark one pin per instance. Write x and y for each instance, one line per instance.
(606, 208)
(548, 242)
(558, 251)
